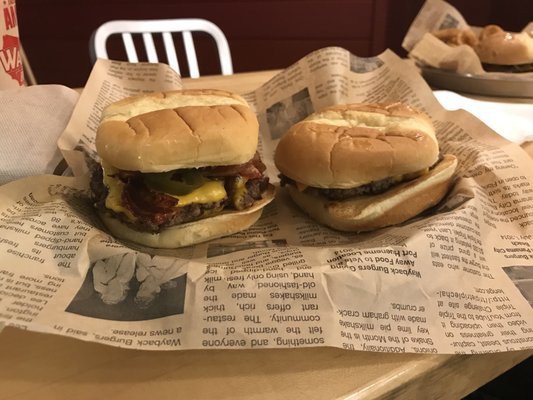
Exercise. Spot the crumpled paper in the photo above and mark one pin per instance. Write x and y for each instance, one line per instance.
(31, 120)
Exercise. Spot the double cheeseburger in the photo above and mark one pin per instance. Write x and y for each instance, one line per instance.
(179, 167)
(359, 167)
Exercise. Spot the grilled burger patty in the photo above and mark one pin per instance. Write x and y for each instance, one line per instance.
(375, 187)
(371, 188)
(153, 210)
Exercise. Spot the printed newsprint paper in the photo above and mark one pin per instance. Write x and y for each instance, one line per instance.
(456, 279)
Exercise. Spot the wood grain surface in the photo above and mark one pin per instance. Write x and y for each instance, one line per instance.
(41, 366)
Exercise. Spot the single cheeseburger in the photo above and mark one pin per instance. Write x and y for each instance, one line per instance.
(179, 168)
(360, 167)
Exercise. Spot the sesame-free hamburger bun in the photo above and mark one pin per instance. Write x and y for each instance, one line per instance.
(359, 167)
(160, 132)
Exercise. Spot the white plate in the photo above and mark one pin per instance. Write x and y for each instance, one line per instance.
(488, 85)
(512, 120)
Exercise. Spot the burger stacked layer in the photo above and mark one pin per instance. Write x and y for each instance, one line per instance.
(178, 168)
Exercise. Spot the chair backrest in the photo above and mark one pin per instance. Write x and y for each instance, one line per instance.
(165, 27)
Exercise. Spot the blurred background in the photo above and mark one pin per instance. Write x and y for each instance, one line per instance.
(262, 34)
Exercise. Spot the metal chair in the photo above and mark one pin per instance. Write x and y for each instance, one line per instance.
(166, 27)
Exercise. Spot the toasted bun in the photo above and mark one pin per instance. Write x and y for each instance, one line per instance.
(194, 232)
(180, 129)
(364, 213)
(345, 146)
(496, 46)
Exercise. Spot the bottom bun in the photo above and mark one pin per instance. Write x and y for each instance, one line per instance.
(193, 232)
(365, 213)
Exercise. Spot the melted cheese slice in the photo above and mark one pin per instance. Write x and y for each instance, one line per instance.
(209, 192)
(300, 186)
(115, 187)
(239, 190)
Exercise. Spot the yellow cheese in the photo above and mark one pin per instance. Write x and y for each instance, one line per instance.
(209, 192)
(300, 186)
(416, 174)
(115, 187)
(240, 190)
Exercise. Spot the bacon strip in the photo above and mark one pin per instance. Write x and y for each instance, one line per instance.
(148, 205)
(252, 169)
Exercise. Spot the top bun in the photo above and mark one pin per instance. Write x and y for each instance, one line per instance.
(497, 46)
(163, 131)
(346, 146)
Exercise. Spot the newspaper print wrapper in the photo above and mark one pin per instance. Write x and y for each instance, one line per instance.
(455, 279)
